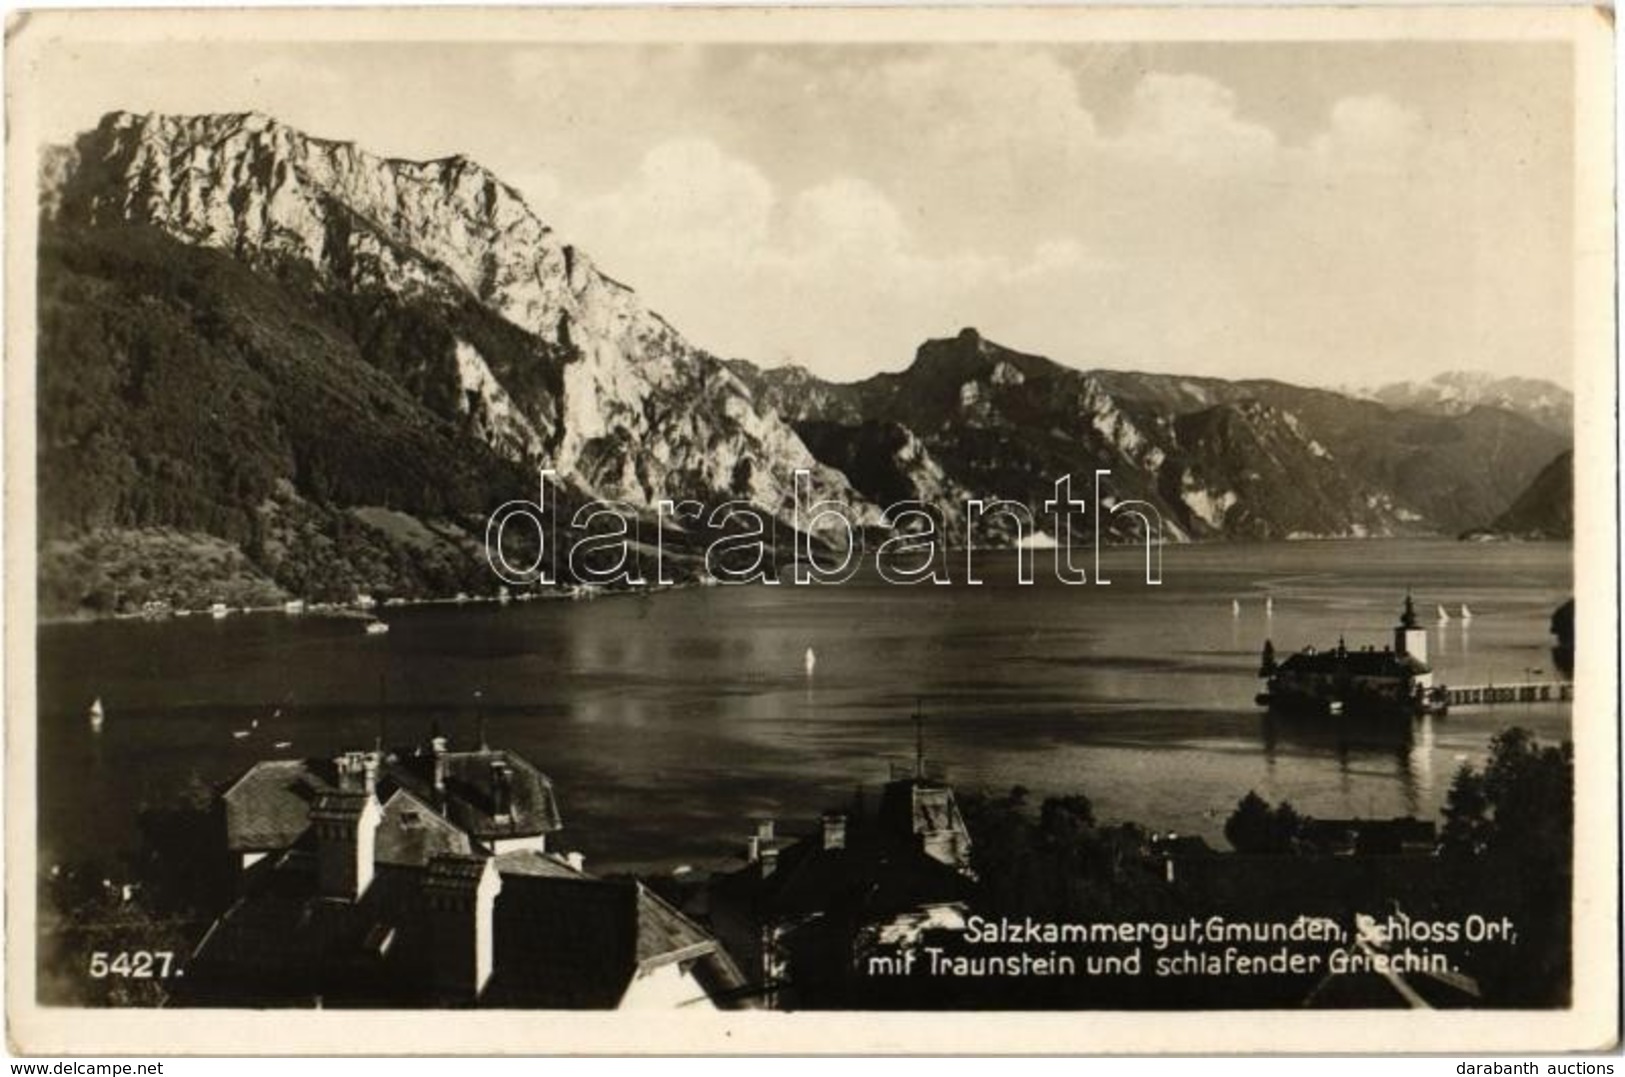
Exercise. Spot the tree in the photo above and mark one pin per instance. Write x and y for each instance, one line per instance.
(1466, 815)
(1509, 831)
(1255, 827)
(1520, 807)
(1063, 820)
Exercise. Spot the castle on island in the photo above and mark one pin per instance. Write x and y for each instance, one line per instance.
(1395, 680)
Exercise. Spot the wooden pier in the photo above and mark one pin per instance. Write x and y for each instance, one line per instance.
(1516, 692)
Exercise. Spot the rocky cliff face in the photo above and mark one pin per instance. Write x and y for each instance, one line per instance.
(1253, 459)
(1214, 462)
(631, 411)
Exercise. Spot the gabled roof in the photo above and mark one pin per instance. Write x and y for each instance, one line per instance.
(561, 939)
(531, 862)
(920, 806)
(270, 806)
(414, 833)
(471, 793)
(864, 877)
(567, 940)
(665, 935)
(282, 943)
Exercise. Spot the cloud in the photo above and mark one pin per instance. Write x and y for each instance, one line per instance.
(838, 205)
(687, 205)
(1190, 121)
(844, 214)
(1369, 133)
(832, 275)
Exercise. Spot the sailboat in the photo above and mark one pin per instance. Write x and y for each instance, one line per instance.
(1466, 614)
(1235, 607)
(1444, 618)
(812, 661)
(97, 715)
(1269, 605)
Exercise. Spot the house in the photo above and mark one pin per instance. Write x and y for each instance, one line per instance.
(430, 795)
(422, 878)
(803, 915)
(1406, 835)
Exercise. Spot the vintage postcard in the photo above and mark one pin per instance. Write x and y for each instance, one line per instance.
(799, 522)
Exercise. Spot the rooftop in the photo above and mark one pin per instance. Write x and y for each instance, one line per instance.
(562, 939)
(271, 805)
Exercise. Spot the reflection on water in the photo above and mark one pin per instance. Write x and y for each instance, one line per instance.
(1400, 747)
(667, 721)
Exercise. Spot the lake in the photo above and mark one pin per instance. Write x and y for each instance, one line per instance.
(668, 722)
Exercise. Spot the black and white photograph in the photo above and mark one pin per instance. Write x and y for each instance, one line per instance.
(884, 513)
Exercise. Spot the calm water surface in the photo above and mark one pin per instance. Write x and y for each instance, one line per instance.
(668, 721)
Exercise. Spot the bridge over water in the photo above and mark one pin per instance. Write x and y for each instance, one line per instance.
(1516, 692)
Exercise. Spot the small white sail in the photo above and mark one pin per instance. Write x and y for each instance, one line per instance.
(812, 661)
(1235, 607)
(1466, 614)
(1269, 605)
(1444, 618)
(97, 714)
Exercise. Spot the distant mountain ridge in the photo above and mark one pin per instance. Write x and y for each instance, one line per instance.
(1457, 392)
(1253, 459)
(1545, 508)
(336, 363)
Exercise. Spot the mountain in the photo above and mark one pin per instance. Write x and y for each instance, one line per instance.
(336, 364)
(181, 391)
(1545, 508)
(272, 365)
(1459, 391)
(1250, 459)
(610, 393)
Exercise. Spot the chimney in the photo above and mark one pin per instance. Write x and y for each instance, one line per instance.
(357, 771)
(345, 824)
(753, 849)
(834, 830)
(437, 748)
(768, 858)
(460, 894)
(764, 829)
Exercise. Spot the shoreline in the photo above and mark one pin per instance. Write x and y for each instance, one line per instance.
(594, 591)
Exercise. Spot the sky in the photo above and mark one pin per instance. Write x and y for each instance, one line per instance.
(1332, 213)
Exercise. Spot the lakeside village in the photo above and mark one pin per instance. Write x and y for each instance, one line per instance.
(537, 552)
(440, 874)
